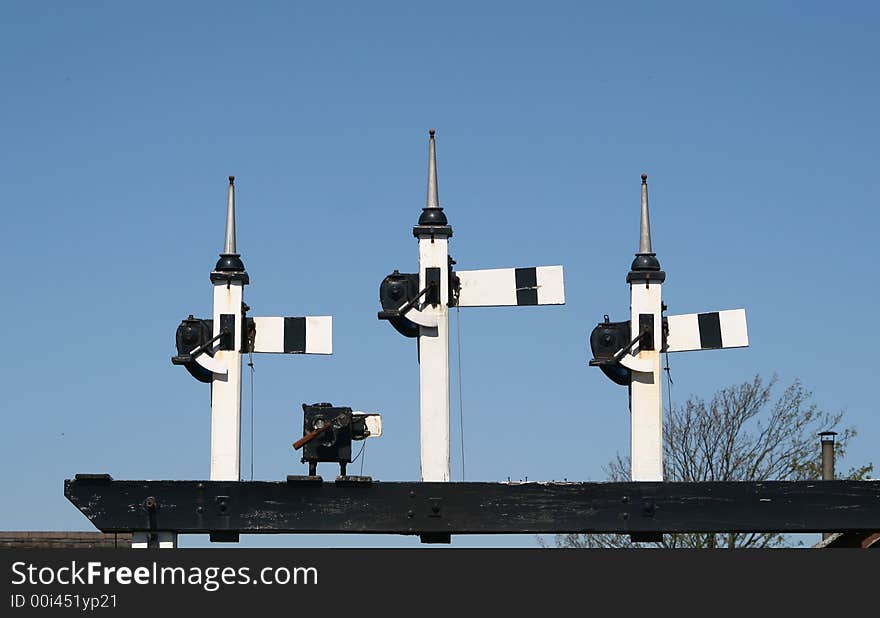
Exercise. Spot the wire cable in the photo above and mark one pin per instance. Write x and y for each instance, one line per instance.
(251, 365)
(361, 452)
(460, 398)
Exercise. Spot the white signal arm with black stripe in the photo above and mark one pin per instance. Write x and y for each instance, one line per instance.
(714, 330)
(296, 335)
(511, 287)
(418, 306)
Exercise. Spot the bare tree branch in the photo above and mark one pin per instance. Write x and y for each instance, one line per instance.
(741, 434)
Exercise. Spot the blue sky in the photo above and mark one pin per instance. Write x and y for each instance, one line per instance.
(756, 122)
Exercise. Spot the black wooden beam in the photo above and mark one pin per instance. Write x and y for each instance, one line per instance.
(304, 505)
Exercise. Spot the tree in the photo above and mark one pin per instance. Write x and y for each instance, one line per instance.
(741, 434)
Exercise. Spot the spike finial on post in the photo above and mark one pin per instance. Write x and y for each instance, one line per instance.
(230, 266)
(645, 225)
(432, 213)
(433, 199)
(229, 245)
(646, 266)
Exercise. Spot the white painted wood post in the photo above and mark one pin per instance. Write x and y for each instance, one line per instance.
(229, 278)
(433, 234)
(434, 366)
(646, 404)
(646, 389)
(226, 389)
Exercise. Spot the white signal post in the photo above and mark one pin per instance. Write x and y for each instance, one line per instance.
(433, 235)
(646, 308)
(478, 288)
(714, 330)
(229, 279)
(226, 392)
